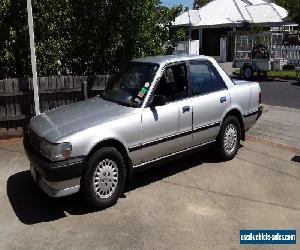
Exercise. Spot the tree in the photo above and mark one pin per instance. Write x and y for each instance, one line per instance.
(51, 36)
(292, 6)
(83, 36)
(200, 3)
(14, 53)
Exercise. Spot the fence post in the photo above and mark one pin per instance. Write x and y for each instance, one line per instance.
(85, 90)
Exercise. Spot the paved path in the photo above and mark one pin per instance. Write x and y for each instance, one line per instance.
(279, 125)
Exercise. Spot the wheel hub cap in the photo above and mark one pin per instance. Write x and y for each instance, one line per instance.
(105, 178)
(230, 139)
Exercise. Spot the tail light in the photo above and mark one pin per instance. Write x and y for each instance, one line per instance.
(259, 98)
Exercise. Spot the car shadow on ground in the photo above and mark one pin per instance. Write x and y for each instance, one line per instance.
(296, 159)
(296, 83)
(159, 172)
(32, 206)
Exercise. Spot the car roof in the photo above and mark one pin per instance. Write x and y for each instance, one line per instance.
(169, 58)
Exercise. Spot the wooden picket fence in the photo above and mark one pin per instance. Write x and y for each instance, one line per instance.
(291, 53)
(16, 98)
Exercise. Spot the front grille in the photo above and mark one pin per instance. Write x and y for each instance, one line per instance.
(34, 141)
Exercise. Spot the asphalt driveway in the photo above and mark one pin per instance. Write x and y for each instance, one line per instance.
(284, 93)
(192, 203)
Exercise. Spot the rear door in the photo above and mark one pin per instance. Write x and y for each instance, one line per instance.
(210, 99)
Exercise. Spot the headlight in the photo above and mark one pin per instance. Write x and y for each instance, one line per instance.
(55, 152)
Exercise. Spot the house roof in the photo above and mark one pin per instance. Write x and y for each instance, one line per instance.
(227, 12)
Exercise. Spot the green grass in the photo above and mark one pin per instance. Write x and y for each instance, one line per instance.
(284, 74)
(290, 74)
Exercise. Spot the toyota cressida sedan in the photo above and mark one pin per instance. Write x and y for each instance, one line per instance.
(152, 109)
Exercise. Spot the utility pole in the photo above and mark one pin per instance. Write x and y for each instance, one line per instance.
(33, 59)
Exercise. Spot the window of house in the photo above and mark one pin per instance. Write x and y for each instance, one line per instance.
(205, 79)
(173, 83)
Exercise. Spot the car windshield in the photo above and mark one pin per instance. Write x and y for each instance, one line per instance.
(130, 86)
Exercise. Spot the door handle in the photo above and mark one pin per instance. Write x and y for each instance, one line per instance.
(186, 109)
(223, 99)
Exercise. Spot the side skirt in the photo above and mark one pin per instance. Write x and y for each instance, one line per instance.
(169, 156)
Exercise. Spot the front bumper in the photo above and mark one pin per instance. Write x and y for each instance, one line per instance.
(55, 178)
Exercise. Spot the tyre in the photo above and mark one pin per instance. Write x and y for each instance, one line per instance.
(265, 74)
(228, 141)
(248, 73)
(259, 74)
(104, 178)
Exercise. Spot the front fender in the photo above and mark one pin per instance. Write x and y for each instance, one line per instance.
(126, 130)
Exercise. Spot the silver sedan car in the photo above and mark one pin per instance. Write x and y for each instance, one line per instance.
(152, 109)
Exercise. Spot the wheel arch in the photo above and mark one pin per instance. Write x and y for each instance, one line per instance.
(235, 112)
(118, 146)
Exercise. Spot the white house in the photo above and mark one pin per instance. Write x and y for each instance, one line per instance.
(218, 18)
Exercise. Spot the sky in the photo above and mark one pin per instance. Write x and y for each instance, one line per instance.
(185, 3)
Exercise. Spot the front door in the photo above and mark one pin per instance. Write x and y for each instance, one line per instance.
(159, 125)
(167, 129)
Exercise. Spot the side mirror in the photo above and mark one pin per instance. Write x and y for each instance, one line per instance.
(158, 100)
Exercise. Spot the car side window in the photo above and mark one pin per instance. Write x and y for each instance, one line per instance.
(205, 79)
(173, 83)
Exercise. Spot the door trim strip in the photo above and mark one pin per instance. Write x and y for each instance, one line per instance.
(173, 154)
(252, 113)
(172, 137)
(212, 125)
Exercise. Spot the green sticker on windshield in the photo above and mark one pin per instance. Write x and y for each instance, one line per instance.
(142, 92)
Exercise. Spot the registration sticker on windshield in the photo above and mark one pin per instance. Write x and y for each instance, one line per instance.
(142, 92)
